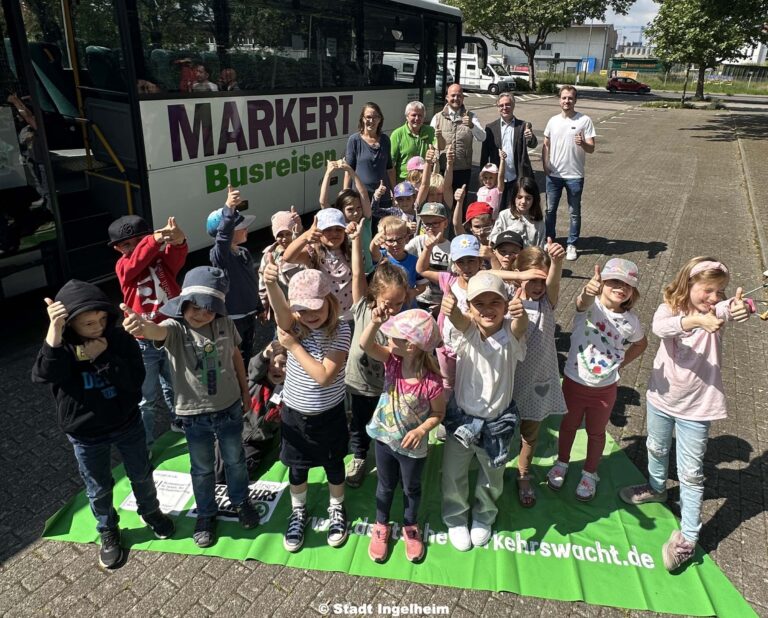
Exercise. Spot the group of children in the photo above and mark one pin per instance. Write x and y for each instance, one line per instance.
(381, 339)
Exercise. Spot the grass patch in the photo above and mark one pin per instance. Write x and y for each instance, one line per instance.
(669, 105)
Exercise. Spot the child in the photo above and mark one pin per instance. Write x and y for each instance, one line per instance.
(147, 270)
(433, 218)
(685, 392)
(354, 203)
(465, 257)
(389, 243)
(606, 337)
(415, 168)
(411, 405)
(211, 390)
(96, 372)
(435, 187)
(286, 225)
(325, 247)
(481, 415)
(266, 373)
(506, 248)
(313, 420)
(230, 229)
(492, 184)
(524, 215)
(537, 380)
(403, 208)
(478, 222)
(364, 376)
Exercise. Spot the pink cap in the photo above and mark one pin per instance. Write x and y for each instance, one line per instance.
(308, 289)
(282, 221)
(416, 326)
(416, 163)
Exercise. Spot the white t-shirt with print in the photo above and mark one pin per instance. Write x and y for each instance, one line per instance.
(566, 159)
(598, 342)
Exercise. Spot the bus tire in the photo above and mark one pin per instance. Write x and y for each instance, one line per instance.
(493, 89)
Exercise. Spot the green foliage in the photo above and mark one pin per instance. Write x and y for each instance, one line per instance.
(522, 85)
(526, 24)
(548, 86)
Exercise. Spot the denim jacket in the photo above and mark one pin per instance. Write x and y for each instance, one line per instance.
(494, 435)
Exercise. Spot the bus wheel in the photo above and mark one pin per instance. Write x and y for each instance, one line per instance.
(493, 89)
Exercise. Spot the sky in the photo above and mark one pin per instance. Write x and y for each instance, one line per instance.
(639, 15)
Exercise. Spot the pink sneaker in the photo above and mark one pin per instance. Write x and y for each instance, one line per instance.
(414, 547)
(677, 551)
(378, 547)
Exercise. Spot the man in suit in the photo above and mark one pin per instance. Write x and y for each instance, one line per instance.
(515, 137)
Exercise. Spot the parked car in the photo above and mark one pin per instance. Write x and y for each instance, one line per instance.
(626, 84)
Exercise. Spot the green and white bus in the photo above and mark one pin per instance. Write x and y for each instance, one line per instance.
(153, 107)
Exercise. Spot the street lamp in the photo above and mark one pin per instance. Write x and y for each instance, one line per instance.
(589, 43)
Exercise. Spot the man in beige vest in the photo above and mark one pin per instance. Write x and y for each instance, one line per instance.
(458, 127)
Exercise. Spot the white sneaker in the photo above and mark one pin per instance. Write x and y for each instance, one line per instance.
(459, 538)
(570, 253)
(480, 534)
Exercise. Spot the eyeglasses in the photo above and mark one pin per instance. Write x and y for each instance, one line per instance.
(483, 229)
(431, 223)
(394, 241)
(507, 252)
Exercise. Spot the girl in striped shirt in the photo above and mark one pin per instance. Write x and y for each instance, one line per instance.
(313, 421)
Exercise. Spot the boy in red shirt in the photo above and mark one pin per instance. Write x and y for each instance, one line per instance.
(147, 271)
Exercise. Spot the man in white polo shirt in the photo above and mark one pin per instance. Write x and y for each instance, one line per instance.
(568, 137)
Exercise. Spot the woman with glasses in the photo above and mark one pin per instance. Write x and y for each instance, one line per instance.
(369, 151)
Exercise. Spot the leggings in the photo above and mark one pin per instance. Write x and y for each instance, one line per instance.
(594, 405)
(391, 468)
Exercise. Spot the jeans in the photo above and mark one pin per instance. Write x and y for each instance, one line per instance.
(392, 467)
(95, 464)
(692, 439)
(157, 383)
(362, 411)
(573, 188)
(202, 431)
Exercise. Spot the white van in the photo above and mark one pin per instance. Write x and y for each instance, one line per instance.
(492, 79)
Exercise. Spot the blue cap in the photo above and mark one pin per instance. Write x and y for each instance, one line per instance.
(404, 189)
(214, 221)
(330, 217)
(464, 245)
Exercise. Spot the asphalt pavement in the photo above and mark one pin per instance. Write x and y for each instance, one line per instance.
(662, 186)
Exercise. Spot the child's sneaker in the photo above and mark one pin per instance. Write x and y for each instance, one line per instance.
(379, 546)
(587, 487)
(677, 551)
(479, 534)
(459, 538)
(205, 531)
(247, 515)
(355, 472)
(110, 553)
(640, 494)
(294, 536)
(556, 475)
(159, 523)
(337, 529)
(414, 546)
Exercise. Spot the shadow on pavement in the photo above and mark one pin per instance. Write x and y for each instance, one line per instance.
(727, 127)
(598, 245)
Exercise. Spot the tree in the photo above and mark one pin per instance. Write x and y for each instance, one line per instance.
(526, 24)
(706, 32)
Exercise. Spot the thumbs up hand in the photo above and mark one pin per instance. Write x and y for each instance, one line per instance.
(466, 120)
(271, 273)
(595, 283)
(355, 229)
(380, 191)
(313, 233)
(739, 308)
(132, 322)
(233, 197)
(460, 194)
(296, 226)
(449, 304)
(710, 322)
(555, 251)
(57, 314)
(515, 307)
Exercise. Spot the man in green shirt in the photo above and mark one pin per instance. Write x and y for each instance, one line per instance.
(409, 140)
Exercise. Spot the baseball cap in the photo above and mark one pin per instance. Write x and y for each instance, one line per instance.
(282, 221)
(433, 209)
(485, 282)
(510, 237)
(127, 227)
(475, 209)
(464, 245)
(404, 189)
(214, 220)
(330, 217)
(307, 289)
(621, 269)
(415, 326)
(415, 163)
(489, 168)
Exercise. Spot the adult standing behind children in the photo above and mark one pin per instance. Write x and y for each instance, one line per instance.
(410, 140)
(514, 137)
(147, 270)
(230, 229)
(95, 371)
(457, 126)
(568, 137)
(369, 152)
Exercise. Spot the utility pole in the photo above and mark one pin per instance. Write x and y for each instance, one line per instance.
(589, 43)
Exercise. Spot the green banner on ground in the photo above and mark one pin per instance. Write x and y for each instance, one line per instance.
(602, 552)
